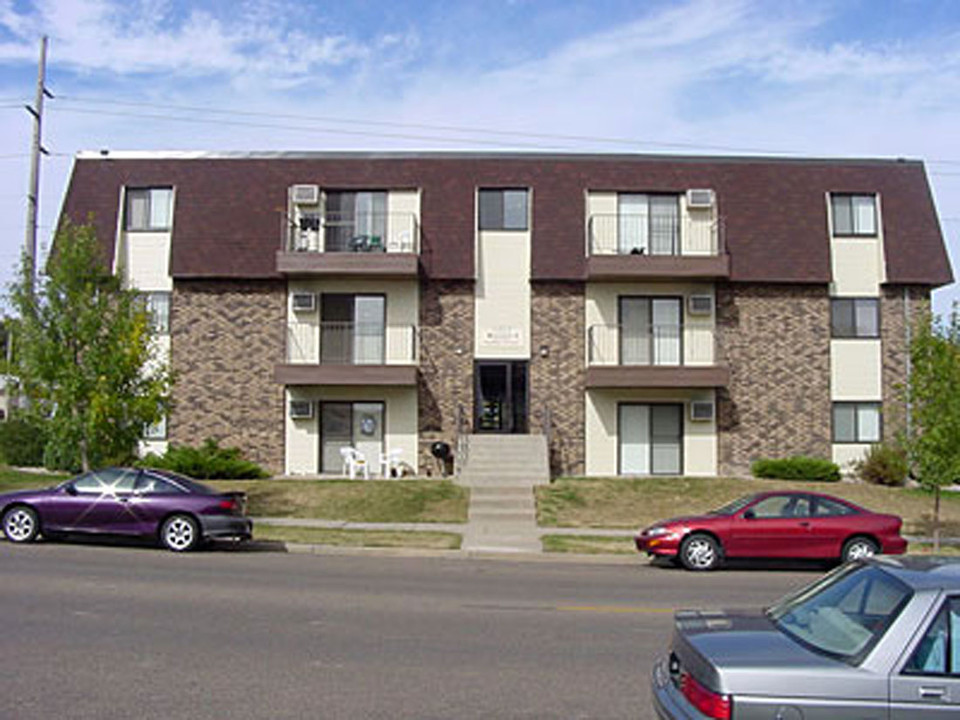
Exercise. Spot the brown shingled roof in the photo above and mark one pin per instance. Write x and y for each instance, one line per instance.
(227, 215)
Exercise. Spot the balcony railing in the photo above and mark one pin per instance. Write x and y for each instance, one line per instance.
(625, 234)
(651, 345)
(347, 343)
(396, 232)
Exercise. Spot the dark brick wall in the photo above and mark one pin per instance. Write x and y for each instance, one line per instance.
(226, 338)
(893, 331)
(446, 363)
(557, 378)
(776, 341)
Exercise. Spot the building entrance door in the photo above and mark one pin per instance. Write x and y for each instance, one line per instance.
(500, 396)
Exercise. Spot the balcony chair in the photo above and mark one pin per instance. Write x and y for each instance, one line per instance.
(390, 463)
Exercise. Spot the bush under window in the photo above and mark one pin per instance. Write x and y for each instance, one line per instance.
(798, 467)
(207, 462)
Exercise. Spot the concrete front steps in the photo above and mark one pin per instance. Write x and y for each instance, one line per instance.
(501, 472)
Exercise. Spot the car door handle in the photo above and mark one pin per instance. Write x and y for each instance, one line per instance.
(932, 693)
(804, 524)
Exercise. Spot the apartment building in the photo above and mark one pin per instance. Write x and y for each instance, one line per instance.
(649, 315)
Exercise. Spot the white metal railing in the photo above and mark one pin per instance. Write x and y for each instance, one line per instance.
(313, 231)
(625, 234)
(676, 345)
(347, 343)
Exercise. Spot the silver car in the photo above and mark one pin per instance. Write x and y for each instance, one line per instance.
(878, 638)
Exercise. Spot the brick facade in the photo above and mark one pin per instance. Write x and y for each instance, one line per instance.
(446, 363)
(226, 338)
(894, 310)
(558, 373)
(776, 341)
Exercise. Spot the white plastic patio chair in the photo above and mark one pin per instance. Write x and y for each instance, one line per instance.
(354, 462)
(390, 461)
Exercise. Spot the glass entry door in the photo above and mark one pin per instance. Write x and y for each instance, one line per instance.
(651, 439)
(500, 396)
(650, 331)
(344, 424)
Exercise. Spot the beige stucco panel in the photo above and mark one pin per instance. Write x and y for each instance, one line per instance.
(857, 266)
(856, 370)
(403, 210)
(699, 438)
(303, 436)
(846, 455)
(146, 260)
(502, 300)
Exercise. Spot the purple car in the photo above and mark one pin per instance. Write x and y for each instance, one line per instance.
(177, 510)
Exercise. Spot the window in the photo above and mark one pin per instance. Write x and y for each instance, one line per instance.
(153, 485)
(782, 506)
(825, 507)
(939, 651)
(157, 431)
(503, 210)
(158, 308)
(108, 481)
(854, 215)
(648, 224)
(855, 318)
(352, 329)
(149, 209)
(354, 221)
(856, 422)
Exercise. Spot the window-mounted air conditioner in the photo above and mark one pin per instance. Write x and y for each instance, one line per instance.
(305, 194)
(701, 411)
(702, 198)
(700, 304)
(301, 410)
(304, 302)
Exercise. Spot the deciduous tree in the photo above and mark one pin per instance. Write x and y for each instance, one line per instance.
(84, 355)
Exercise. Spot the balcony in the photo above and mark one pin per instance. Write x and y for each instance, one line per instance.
(642, 247)
(653, 356)
(358, 244)
(345, 353)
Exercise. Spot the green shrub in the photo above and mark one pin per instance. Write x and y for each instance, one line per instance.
(22, 441)
(209, 461)
(797, 467)
(884, 464)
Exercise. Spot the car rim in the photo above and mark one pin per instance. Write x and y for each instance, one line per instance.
(700, 553)
(860, 550)
(19, 525)
(179, 534)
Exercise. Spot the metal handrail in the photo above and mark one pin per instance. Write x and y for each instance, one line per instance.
(348, 343)
(633, 234)
(651, 344)
(371, 232)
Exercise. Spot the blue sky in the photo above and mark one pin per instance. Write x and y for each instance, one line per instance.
(853, 78)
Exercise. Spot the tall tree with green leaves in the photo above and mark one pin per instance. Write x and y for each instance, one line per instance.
(934, 395)
(84, 355)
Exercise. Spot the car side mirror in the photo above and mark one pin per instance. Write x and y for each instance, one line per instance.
(70, 490)
(749, 515)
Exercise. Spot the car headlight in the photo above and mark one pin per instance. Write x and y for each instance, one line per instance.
(657, 532)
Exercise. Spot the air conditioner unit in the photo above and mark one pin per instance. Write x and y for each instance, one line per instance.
(305, 194)
(301, 410)
(700, 304)
(304, 302)
(700, 198)
(701, 411)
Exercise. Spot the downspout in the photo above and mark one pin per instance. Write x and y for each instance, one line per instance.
(908, 339)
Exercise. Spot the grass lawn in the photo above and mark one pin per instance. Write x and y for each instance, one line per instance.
(635, 503)
(589, 544)
(11, 480)
(438, 501)
(359, 538)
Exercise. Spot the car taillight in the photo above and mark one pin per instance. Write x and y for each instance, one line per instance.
(229, 505)
(713, 705)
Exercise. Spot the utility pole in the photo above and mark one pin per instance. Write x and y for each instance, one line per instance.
(33, 192)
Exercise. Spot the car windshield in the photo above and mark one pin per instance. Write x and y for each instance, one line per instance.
(187, 483)
(845, 613)
(736, 506)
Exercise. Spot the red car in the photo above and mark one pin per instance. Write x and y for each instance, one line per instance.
(778, 524)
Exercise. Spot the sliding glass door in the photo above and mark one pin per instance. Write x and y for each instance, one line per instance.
(650, 331)
(651, 439)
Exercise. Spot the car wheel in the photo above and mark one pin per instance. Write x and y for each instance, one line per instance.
(858, 548)
(21, 524)
(180, 533)
(700, 552)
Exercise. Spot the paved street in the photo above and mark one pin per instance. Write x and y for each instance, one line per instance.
(96, 631)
